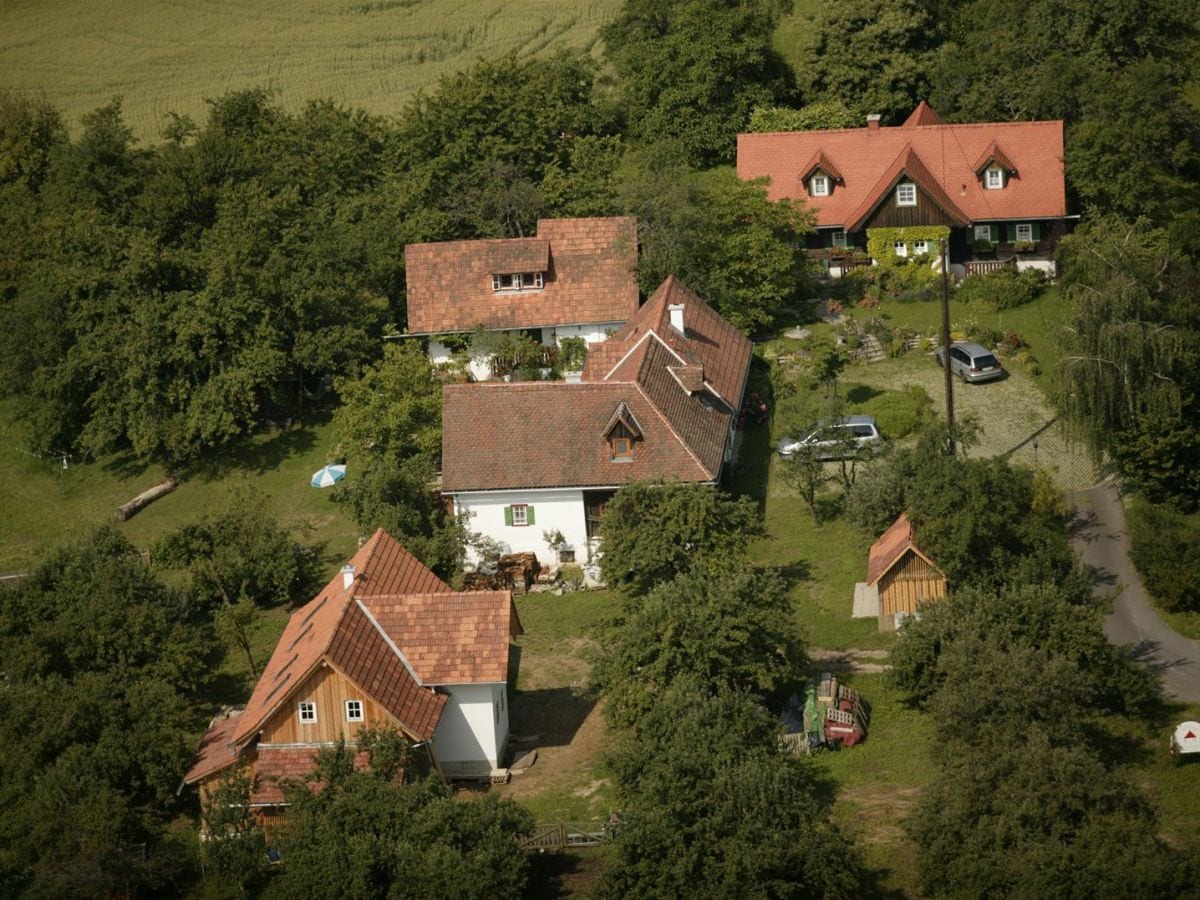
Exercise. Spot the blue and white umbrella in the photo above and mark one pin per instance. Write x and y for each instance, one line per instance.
(328, 476)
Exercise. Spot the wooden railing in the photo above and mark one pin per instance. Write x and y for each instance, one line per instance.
(566, 834)
(982, 266)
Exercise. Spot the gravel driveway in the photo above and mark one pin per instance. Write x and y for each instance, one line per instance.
(1010, 411)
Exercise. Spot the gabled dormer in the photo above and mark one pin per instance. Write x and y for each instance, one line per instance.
(622, 432)
(994, 168)
(519, 264)
(819, 176)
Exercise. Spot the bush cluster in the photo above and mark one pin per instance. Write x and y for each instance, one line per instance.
(1006, 289)
(1167, 554)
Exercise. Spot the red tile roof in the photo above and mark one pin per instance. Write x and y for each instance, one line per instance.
(216, 751)
(924, 114)
(683, 389)
(338, 626)
(890, 547)
(276, 765)
(590, 278)
(948, 153)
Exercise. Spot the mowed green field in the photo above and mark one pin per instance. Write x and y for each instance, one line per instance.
(169, 55)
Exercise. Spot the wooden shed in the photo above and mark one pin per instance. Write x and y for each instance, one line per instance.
(904, 576)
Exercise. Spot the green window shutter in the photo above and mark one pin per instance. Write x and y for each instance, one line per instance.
(529, 520)
(508, 515)
(1037, 231)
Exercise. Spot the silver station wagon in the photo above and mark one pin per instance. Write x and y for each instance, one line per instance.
(844, 438)
(971, 362)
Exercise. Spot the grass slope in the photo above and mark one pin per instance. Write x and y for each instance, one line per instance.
(165, 56)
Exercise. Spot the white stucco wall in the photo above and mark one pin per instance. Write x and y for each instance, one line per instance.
(560, 510)
(468, 731)
(1049, 266)
(593, 334)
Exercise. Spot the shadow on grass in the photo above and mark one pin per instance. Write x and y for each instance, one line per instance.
(861, 393)
(125, 466)
(547, 717)
(557, 875)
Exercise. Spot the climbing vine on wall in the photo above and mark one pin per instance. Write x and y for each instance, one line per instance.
(880, 240)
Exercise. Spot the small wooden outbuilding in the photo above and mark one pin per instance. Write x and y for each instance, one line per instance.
(904, 576)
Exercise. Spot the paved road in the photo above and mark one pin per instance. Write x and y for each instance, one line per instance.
(1103, 538)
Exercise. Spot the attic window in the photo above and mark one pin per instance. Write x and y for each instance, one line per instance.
(906, 194)
(819, 185)
(993, 179)
(354, 711)
(308, 712)
(517, 281)
(620, 444)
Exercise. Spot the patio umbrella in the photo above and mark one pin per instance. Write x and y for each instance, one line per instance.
(328, 476)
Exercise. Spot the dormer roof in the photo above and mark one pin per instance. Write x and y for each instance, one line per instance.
(624, 417)
(906, 166)
(518, 255)
(993, 154)
(820, 162)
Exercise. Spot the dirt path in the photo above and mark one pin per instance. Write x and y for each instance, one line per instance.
(849, 660)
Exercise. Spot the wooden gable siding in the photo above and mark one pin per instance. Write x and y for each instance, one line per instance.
(889, 215)
(908, 584)
(330, 690)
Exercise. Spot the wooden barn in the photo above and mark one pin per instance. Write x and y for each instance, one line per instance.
(904, 576)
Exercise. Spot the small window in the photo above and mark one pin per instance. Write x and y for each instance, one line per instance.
(1025, 232)
(906, 194)
(983, 232)
(920, 247)
(354, 711)
(520, 515)
(839, 239)
(566, 556)
(622, 448)
(900, 248)
(530, 281)
(505, 282)
(820, 186)
(993, 179)
(308, 712)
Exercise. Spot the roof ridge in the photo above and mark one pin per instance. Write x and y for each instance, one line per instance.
(674, 433)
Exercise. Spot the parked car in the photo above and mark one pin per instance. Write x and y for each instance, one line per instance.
(851, 436)
(971, 362)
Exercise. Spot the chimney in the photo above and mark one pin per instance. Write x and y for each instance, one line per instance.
(347, 577)
(676, 311)
(873, 122)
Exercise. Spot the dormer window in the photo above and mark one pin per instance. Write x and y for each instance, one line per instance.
(621, 432)
(906, 194)
(517, 281)
(993, 178)
(819, 185)
(621, 446)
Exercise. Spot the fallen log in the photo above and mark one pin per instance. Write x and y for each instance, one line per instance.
(145, 498)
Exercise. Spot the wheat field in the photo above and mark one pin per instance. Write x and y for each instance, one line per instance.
(165, 56)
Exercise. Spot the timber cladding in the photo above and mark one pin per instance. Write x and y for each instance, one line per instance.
(909, 583)
(890, 215)
(329, 689)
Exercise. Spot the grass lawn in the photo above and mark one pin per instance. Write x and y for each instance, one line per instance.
(552, 711)
(45, 505)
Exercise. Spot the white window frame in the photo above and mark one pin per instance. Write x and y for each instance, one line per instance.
(993, 178)
(523, 509)
(1027, 228)
(351, 706)
(819, 185)
(899, 248)
(306, 710)
(906, 194)
(839, 239)
(983, 233)
(920, 247)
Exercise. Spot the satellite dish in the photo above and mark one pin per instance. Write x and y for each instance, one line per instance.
(1186, 738)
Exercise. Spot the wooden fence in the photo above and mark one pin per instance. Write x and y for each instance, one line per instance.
(562, 835)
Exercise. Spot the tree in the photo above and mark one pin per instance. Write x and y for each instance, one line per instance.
(719, 235)
(754, 828)
(393, 410)
(693, 70)
(1030, 817)
(235, 849)
(727, 630)
(239, 552)
(805, 473)
(101, 661)
(364, 834)
(873, 57)
(654, 531)
(821, 115)
(31, 131)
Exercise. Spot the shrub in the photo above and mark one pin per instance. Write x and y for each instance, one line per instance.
(1006, 289)
(1166, 551)
(901, 413)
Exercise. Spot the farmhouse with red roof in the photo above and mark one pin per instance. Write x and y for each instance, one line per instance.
(385, 643)
(658, 400)
(997, 189)
(575, 278)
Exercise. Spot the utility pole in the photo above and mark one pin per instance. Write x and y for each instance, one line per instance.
(946, 341)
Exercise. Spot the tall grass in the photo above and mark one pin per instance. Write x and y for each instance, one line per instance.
(170, 55)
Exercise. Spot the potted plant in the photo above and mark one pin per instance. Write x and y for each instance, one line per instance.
(982, 248)
(1024, 246)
